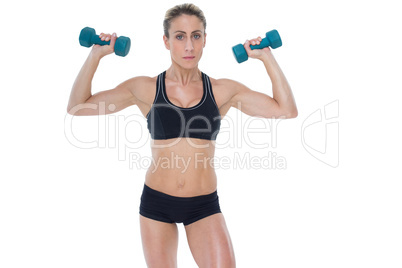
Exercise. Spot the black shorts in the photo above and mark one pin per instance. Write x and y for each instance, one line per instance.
(166, 208)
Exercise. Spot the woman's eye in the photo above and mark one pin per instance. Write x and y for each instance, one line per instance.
(179, 37)
(197, 36)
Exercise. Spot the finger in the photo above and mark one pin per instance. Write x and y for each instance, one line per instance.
(113, 40)
(104, 37)
(107, 37)
(247, 47)
(254, 41)
(257, 40)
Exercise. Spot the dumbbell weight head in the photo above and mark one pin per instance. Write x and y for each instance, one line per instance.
(274, 39)
(88, 38)
(240, 53)
(122, 46)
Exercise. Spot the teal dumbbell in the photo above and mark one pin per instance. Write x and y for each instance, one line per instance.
(272, 39)
(88, 38)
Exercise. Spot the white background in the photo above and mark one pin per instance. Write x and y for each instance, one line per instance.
(65, 206)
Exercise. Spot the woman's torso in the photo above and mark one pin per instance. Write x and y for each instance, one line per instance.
(181, 169)
(183, 165)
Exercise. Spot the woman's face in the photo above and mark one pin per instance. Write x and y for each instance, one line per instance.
(186, 41)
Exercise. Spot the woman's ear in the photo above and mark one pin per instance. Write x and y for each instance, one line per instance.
(205, 39)
(166, 41)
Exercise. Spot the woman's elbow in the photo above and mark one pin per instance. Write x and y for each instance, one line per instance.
(83, 109)
(288, 114)
(293, 114)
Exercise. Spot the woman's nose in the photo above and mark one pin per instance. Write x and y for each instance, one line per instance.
(189, 45)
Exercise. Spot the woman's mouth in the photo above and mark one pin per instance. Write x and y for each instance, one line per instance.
(189, 57)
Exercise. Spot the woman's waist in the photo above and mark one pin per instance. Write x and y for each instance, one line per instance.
(184, 184)
(184, 162)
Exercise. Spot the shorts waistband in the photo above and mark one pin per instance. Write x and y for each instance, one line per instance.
(178, 198)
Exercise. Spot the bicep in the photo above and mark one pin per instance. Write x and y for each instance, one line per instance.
(108, 101)
(253, 103)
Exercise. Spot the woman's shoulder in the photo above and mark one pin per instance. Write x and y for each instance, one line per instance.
(142, 87)
(142, 80)
(224, 90)
(145, 80)
(224, 84)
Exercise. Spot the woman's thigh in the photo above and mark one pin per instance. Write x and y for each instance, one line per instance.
(210, 242)
(159, 242)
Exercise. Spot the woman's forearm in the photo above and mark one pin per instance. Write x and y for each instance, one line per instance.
(281, 90)
(81, 90)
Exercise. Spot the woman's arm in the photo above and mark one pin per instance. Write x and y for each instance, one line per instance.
(82, 102)
(280, 105)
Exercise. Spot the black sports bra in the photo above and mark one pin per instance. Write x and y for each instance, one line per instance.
(166, 120)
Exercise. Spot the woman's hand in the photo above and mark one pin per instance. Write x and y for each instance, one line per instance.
(101, 51)
(256, 53)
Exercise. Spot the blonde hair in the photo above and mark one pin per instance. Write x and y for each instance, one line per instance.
(183, 9)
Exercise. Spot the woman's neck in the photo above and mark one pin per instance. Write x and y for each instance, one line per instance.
(183, 76)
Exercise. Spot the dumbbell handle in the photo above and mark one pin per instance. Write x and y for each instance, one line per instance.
(97, 41)
(263, 43)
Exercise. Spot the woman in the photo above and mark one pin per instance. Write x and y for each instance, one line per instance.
(183, 107)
